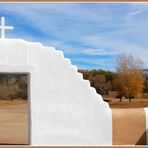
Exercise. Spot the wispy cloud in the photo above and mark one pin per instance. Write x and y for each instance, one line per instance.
(92, 51)
(118, 46)
(135, 12)
(94, 32)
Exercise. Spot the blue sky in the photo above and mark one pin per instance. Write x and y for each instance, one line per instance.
(90, 34)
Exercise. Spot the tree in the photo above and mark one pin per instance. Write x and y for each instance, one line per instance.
(145, 71)
(99, 79)
(129, 80)
(13, 86)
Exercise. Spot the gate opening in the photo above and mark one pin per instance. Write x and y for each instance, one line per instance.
(14, 108)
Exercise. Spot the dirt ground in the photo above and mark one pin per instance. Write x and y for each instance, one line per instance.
(129, 121)
(13, 122)
(129, 126)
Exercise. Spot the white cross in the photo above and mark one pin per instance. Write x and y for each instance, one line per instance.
(3, 27)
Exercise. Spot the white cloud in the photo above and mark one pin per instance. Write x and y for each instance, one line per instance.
(69, 49)
(118, 46)
(40, 14)
(60, 45)
(135, 12)
(91, 51)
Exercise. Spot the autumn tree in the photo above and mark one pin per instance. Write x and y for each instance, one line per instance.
(99, 79)
(146, 80)
(129, 80)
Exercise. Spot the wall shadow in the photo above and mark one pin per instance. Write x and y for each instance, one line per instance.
(142, 140)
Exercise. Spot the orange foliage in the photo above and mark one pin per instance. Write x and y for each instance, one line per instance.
(129, 80)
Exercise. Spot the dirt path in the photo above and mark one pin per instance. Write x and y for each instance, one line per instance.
(14, 124)
(129, 126)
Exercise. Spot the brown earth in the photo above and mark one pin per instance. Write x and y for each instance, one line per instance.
(129, 121)
(129, 126)
(13, 122)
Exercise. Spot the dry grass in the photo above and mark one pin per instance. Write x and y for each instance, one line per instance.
(13, 102)
(135, 103)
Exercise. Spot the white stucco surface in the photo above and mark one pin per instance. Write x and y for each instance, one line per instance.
(64, 109)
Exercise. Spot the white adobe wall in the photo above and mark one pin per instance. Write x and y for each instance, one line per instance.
(65, 110)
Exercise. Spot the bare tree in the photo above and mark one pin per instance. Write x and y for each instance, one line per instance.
(129, 80)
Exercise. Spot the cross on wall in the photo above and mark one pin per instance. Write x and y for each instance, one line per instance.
(4, 28)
